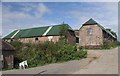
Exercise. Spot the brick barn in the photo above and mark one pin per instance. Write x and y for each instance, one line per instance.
(41, 34)
(92, 34)
(7, 57)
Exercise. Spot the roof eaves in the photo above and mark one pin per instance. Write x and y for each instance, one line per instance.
(106, 31)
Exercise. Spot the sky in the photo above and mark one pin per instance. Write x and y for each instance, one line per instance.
(21, 15)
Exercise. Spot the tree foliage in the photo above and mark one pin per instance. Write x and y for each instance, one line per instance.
(64, 31)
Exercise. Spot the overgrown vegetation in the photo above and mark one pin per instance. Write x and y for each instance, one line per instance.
(4, 69)
(64, 33)
(48, 52)
(109, 45)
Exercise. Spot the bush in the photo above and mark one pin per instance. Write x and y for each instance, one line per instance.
(48, 52)
(109, 45)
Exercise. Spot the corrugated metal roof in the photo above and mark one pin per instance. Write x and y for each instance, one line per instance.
(54, 31)
(106, 31)
(39, 31)
(11, 34)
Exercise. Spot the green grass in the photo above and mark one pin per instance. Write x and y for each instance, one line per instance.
(4, 69)
(110, 45)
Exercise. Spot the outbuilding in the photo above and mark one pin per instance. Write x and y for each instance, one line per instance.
(41, 34)
(93, 35)
(7, 55)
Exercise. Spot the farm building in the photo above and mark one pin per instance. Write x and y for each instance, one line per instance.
(7, 57)
(41, 34)
(92, 34)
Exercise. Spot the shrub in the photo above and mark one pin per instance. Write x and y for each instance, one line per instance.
(48, 52)
(109, 45)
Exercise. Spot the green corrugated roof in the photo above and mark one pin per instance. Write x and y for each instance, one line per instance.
(35, 32)
(11, 34)
(56, 29)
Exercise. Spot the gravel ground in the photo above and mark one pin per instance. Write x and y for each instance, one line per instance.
(107, 63)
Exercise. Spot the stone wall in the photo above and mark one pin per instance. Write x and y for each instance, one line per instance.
(8, 59)
(39, 39)
(90, 35)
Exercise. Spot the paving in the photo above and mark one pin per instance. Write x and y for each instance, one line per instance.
(97, 62)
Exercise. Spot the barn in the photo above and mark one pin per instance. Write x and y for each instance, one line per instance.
(7, 57)
(93, 35)
(41, 34)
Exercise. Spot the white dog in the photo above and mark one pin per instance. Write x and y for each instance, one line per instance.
(23, 64)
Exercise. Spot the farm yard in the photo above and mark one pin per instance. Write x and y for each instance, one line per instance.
(43, 50)
(34, 52)
(47, 38)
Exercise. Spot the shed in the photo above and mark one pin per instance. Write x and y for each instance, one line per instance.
(7, 57)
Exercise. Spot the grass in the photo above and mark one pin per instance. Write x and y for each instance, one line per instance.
(4, 69)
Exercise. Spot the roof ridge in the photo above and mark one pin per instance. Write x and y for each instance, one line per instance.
(90, 21)
(43, 26)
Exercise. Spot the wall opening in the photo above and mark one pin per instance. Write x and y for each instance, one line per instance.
(36, 39)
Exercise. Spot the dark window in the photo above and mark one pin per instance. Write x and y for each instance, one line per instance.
(89, 31)
(77, 40)
(11, 39)
(36, 39)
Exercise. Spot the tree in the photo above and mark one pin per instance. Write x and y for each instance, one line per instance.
(64, 32)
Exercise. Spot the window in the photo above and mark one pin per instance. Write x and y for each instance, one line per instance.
(89, 31)
(77, 40)
(36, 39)
(11, 40)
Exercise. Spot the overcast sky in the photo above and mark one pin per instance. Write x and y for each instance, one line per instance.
(21, 15)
